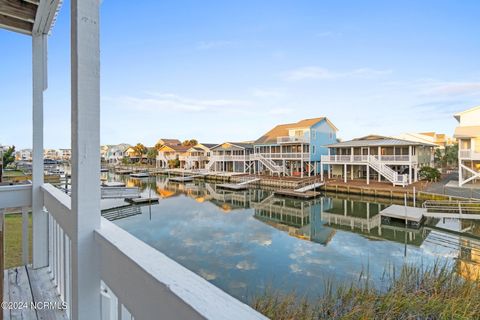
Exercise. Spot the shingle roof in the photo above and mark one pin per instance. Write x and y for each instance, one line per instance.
(209, 145)
(282, 129)
(170, 142)
(375, 140)
(467, 132)
(244, 145)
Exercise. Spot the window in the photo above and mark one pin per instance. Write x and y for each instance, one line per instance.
(313, 149)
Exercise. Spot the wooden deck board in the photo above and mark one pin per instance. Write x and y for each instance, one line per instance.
(19, 292)
(44, 290)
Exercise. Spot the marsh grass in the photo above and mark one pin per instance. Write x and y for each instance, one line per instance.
(435, 292)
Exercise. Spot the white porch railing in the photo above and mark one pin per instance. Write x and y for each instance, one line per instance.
(230, 157)
(293, 139)
(137, 280)
(469, 154)
(364, 158)
(288, 155)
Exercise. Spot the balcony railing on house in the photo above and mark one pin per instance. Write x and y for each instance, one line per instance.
(365, 158)
(293, 139)
(469, 154)
(288, 155)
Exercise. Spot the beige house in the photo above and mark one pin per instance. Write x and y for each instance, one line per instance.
(197, 157)
(382, 158)
(468, 136)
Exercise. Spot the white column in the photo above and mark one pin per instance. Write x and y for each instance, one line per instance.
(85, 74)
(25, 236)
(345, 173)
(40, 218)
(368, 174)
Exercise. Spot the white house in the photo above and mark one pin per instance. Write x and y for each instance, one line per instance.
(384, 158)
(23, 155)
(116, 153)
(468, 136)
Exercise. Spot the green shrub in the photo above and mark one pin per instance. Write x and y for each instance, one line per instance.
(429, 173)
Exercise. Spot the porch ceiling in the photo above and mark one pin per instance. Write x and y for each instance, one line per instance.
(28, 16)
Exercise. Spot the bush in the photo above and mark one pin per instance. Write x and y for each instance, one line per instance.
(429, 173)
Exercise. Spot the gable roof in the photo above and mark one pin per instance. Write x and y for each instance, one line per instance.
(457, 115)
(208, 145)
(281, 130)
(170, 142)
(376, 140)
(176, 148)
(242, 145)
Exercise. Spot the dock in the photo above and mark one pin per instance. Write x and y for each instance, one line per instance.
(140, 175)
(309, 187)
(296, 194)
(113, 184)
(142, 200)
(123, 171)
(181, 179)
(238, 186)
(412, 215)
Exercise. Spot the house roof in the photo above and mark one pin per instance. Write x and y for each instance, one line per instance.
(457, 115)
(209, 145)
(467, 132)
(170, 142)
(242, 145)
(281, 130)
(376, 140)
(176, 148)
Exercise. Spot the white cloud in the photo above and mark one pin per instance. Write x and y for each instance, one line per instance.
(245, 265)
(319, 73)
(173, 102)
(453, 88)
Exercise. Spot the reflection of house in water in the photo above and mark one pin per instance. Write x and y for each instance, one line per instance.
(468, 263)
(298, 218)
(363, 217)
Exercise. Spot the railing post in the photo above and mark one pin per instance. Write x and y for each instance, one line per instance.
(85, 205)
(25, 242)
(39, 217)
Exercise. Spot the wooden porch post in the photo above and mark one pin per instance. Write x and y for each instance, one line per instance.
(85, 82)
(40, 217)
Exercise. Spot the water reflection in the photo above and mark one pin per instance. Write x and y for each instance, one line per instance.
(244, 241)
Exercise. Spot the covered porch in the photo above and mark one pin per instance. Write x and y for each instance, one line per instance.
(83, 266)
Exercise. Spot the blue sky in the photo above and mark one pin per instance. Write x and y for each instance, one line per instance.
(230, 70)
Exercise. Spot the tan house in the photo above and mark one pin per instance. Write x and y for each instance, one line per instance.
(167, 153)
(468, 135)
(197, 157)
(384, 158)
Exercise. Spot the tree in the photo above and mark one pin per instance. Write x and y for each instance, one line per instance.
(152, 154)
(174, 163)
(446, 157)
(190, 143)
(9, 156)
(140, 150)
(429, 173)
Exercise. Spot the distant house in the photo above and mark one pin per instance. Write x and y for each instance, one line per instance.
(468, 135)
(167, 153)
(51, 154)
(23, 155)
(441, 140)
(294, 149)
(197, 157)
(380, 157)
(65, 154)
(232, 157)
(116, 153)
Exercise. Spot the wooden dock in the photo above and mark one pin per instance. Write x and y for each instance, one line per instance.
(140, 175)
(412, 215)
(113, 184)
(232, 186)
(181, 179)
(123, 171)
(142, 200)
(296, 194)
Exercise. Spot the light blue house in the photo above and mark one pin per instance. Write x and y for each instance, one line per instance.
(294, 149)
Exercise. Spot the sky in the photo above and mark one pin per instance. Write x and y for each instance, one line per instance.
(220, 71)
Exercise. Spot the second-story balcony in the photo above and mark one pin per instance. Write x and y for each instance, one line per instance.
(287, 155)
(293, 139)
(365, 158)
(469, 154)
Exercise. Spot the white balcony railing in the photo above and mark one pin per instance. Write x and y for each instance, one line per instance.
(155, 285)
(230, 157)
(293, 155)
(293, 139)
(469, 154)
(364, 158)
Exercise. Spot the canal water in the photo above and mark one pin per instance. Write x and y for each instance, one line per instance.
(248, 241)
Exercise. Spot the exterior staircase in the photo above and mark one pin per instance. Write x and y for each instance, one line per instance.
(387, 172)
(270, 164)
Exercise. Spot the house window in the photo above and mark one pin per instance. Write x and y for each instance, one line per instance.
(313, 149)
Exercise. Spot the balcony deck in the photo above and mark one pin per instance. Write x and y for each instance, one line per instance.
(24, 286)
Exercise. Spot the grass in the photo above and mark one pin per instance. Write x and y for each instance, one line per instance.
(437, 292)
(13, 173)
(13, 239)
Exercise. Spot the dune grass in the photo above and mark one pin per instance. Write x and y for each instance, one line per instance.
(436, 292)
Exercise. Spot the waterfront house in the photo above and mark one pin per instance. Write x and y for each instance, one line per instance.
(23, 155)
(294, 149)
(65, 154)
(116, 153)
(440, 140)
(468, 135)
(197, 157)
(232, 157)
(169, 156)
(384, 158)
(84, 266)
(168, 142)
